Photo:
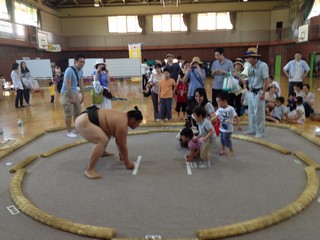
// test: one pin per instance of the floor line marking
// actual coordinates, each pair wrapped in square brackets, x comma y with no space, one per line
[136,166]
[189,172]
[209,164]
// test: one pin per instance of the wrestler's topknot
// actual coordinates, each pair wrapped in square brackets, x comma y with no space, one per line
[136,114]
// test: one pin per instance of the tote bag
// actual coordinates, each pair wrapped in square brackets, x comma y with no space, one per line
[97,93]
[227,83]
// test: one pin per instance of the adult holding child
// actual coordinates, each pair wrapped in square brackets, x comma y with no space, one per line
[99,125]
[258,74]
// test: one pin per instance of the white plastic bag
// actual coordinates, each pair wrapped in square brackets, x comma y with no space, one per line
[27,82]
[34,84]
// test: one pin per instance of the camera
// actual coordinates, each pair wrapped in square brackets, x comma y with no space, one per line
[103,69]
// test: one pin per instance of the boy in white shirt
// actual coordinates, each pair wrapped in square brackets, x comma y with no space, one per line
[278,111]
[226,115]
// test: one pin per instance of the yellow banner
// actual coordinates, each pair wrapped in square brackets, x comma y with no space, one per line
[135,52]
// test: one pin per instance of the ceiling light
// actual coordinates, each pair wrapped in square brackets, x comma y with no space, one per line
[245,0]
[96,3]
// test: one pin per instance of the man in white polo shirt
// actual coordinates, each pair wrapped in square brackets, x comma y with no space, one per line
[296,70]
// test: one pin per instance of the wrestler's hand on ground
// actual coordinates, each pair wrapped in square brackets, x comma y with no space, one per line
[129,165]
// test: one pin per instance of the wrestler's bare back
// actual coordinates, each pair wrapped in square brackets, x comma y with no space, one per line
[111,121]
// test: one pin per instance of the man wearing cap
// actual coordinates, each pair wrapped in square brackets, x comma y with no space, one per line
[196,76]
[173,67]
[258,74]
[69,92]
[296,70]
[219,69]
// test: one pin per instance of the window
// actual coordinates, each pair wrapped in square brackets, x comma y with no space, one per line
[25,15]
[214,21]
[6,27]
[168,23]
[20,31]
[3,10]
[123,24]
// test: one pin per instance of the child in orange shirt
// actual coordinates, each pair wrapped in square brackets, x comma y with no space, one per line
[166,89]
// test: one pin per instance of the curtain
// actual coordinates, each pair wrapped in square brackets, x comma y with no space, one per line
[142,23]
[39,18]
[301,15]
[307,8]
[186,20]
[10,8]
[233,19]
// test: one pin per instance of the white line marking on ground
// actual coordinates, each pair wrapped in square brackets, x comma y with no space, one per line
[209,164]
[297,161]
[136,166]
[13,210]
[189,172]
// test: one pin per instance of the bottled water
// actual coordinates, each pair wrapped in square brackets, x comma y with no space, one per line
[20,126]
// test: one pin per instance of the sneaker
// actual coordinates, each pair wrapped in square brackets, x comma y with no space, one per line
[71,135]
[249,133]
[158,120]
[258,135]
[166,119]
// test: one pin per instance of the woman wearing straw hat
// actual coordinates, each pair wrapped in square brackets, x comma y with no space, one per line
[235,99]
[101,77]
[258,74]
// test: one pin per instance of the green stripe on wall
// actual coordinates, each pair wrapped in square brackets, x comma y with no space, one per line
[277,68]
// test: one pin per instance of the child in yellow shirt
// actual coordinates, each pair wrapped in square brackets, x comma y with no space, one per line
[51,91]
[166,89]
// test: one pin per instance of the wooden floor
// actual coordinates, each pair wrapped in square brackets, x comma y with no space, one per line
[42,114]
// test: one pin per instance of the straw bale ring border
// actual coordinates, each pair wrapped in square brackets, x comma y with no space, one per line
[302,202]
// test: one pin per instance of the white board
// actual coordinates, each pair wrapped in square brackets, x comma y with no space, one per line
[88,67]
[39,68]
[124,67]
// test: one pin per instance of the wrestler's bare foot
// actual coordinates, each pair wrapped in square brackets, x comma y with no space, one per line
[107,154]
[92,174]
[130,165]
[231,153]
[221,153]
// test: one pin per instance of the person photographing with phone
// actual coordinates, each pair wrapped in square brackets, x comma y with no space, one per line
[195,76]
[101,77]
